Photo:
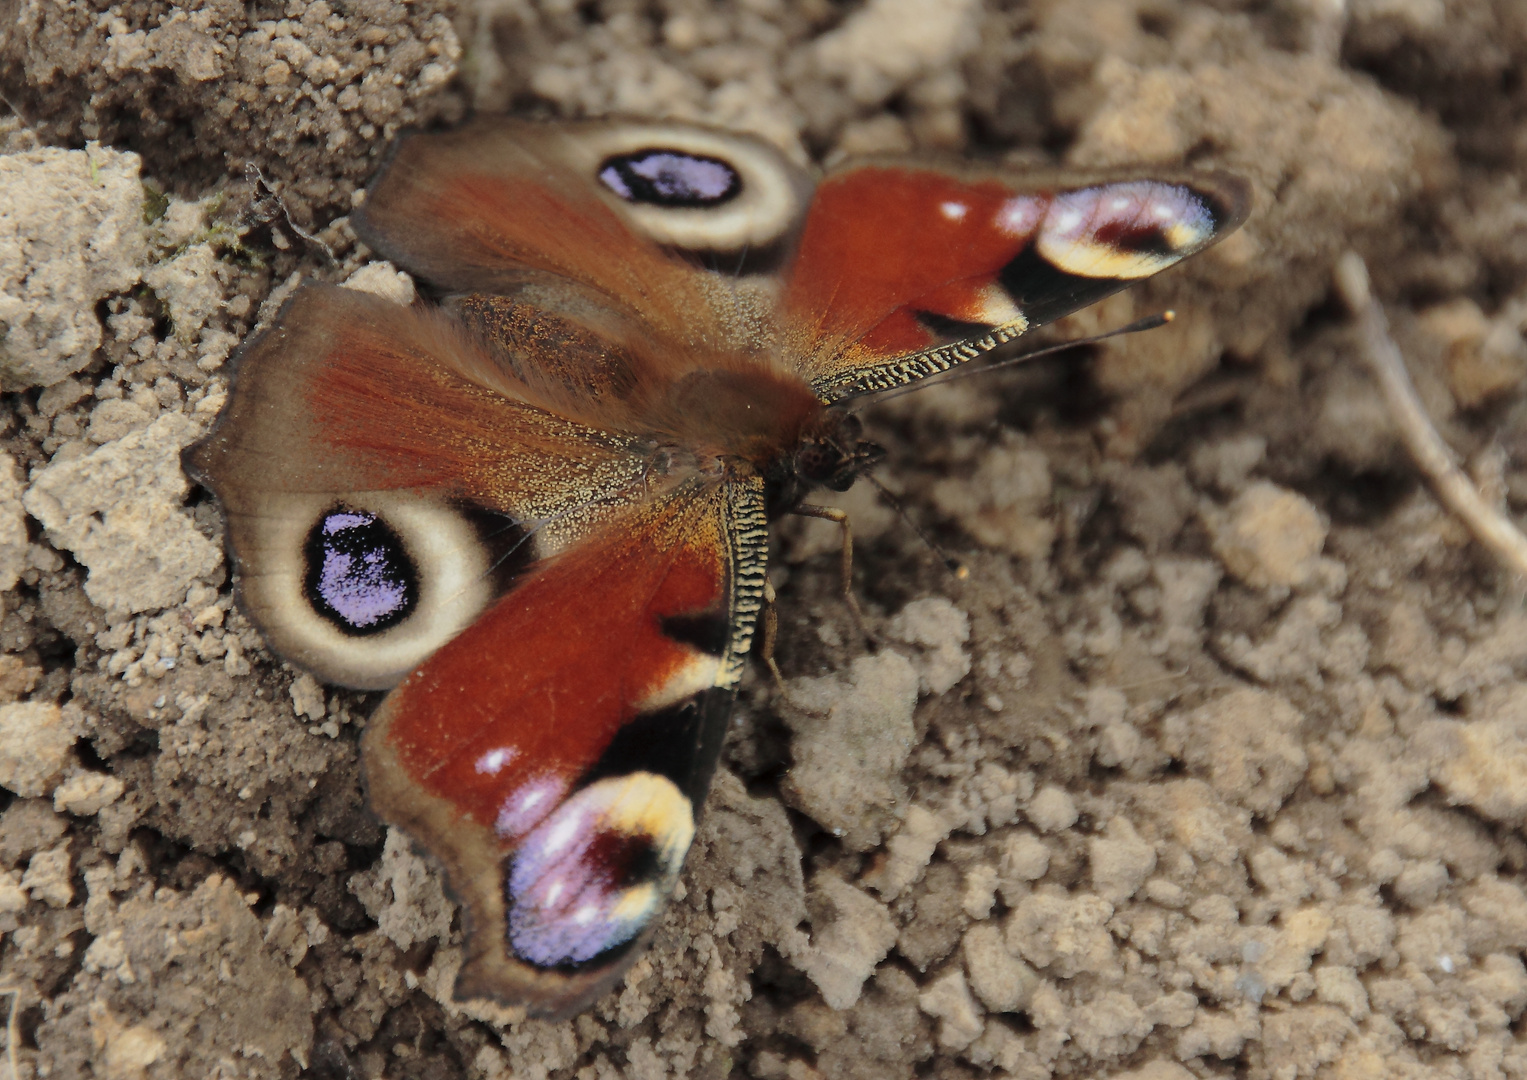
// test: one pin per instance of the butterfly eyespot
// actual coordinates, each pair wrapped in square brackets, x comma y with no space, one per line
[361,591]
[359,575]
[692,188]
[670,178]
[1125,230]
[591,875]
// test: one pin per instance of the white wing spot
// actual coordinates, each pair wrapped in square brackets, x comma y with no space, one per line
[1018,216]
[562,834]
[1068,220]
[494,760]
[954,211]
[1120,204]
[586,914]
[518,814]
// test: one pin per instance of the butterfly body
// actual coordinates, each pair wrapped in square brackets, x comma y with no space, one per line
[536,508]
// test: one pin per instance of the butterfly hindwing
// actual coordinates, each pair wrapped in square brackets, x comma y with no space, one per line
[614,215]
[556,758]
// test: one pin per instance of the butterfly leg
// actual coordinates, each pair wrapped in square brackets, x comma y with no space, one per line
[770,617]
[840,518]
[771,636]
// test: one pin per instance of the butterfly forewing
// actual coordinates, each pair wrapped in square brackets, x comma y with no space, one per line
[903,271]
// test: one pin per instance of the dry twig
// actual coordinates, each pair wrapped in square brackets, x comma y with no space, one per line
[1433,456]
[12,1029]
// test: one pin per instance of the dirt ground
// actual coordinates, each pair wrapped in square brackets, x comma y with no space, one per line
[1214,766]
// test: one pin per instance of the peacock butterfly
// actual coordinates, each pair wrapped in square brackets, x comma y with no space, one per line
[536,507]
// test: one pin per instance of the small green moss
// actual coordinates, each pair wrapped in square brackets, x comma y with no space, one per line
[230,246]
[155,203]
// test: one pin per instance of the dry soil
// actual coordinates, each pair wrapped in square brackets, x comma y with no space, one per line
[1214,766]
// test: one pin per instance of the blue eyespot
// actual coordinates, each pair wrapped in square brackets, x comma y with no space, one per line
[359,574]
[670,178]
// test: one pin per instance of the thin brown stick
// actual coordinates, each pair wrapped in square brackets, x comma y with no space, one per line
[12,1028]
[1432,456]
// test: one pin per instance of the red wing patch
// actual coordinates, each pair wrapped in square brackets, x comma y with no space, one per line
[882,244]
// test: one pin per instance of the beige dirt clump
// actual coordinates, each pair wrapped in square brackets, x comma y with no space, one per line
[178,982]
[851,738]
[71,234]
[308,94]
[118,510]
[1269,537]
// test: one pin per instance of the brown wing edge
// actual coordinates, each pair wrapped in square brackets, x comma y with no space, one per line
[473,860]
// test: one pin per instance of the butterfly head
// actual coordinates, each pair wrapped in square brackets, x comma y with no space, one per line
[831,454]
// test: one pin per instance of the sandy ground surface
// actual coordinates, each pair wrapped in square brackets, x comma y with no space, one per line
[1215,766]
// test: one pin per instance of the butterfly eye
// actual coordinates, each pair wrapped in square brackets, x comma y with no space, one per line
[670,178]
[362,591]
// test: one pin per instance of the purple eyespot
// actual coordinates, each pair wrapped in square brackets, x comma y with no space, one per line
[595,868]
[359,575]
[670,178]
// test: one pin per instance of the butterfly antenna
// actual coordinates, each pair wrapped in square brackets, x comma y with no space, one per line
[953,565]
[1150,322]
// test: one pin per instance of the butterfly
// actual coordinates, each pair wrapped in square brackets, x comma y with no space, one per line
[535,506]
